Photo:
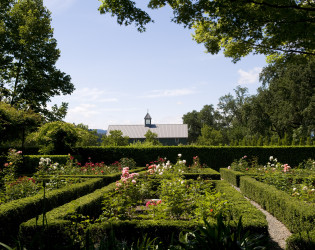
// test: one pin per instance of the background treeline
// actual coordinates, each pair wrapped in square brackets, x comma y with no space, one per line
[281,113]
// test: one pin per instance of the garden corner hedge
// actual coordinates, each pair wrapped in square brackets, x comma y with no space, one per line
[58,227]
[231,176]
[15,212]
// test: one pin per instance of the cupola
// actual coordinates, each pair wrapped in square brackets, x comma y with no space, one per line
[147,120]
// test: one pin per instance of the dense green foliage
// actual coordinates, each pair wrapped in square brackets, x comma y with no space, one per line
[236,27]
[28,52]
[115,138]
[15,123]
[281,113]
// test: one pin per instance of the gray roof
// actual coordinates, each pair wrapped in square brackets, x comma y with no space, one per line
[162,130]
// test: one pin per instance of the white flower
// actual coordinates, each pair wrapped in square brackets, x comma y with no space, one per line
[276,160]
[305,188]
[180,162]
[270,158]
[184,161]
[313,190]
[294,189]
[179,155]
[229,167]
[160,173]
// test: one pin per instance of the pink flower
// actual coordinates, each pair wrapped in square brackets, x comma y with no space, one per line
[19,152]
[134,181]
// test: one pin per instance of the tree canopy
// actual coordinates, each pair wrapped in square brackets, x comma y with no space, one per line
[236,27]
[28,54]
[115,138]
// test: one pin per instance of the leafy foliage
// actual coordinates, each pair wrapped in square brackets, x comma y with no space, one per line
[237,27]
[115,138]
[28,54]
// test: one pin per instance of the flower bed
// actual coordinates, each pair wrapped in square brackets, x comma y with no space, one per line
[299,182]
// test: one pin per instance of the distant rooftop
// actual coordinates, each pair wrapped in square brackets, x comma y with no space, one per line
[162,130]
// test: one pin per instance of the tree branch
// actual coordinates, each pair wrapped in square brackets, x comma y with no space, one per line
[282,6]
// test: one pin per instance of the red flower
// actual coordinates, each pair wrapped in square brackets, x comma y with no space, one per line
[211,210]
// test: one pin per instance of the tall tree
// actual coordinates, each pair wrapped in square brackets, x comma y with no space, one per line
[238,27]
[288,94]
[28,54]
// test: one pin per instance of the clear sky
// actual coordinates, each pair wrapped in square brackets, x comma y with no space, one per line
[120,73]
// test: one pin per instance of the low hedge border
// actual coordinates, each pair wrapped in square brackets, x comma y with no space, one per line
[58,225]
[15,212]
[295,214]
[252,218]
[303,240]
[56,229]
[207,173]
[231,176]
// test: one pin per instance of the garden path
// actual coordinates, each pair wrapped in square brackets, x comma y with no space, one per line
[277,230]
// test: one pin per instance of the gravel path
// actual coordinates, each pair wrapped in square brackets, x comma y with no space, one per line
[277,230]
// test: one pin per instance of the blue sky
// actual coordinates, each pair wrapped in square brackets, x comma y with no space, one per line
[120,73]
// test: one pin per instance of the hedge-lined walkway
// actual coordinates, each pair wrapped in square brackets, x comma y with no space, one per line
[277,230]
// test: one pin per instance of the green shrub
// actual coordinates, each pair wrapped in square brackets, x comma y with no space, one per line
[300,241]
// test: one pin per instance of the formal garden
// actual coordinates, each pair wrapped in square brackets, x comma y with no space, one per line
[173,201]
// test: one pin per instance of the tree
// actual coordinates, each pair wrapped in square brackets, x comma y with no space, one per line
[87,137]
[210,136]
[195,120]
[151,138]
[115,138]
[194,125]
[28,54]
[16,124]
[288,95]
[56,138]
[237,27]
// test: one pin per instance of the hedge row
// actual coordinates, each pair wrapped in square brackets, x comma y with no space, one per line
[214,157]
[295,214]
[231,176]
[208,173]
[58,227]
[15,212]
[57,223]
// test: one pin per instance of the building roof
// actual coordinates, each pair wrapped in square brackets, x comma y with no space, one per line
[162,130]
[147,116]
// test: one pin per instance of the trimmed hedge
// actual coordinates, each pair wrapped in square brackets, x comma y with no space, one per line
[231,176]
[214,157]
[295,214]
[15,212]
[56,230]
[206,174]
[58,225]
[303,240]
